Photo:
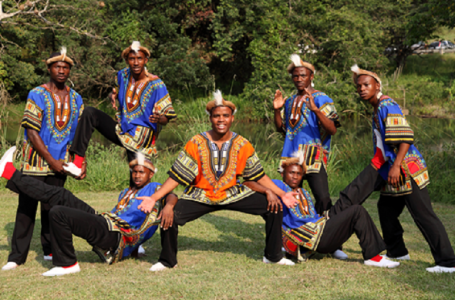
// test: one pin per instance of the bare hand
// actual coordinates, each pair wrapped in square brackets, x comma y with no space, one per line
[167,217]
[289,199]
[394,176]
[57,166]
[155,118]
[274,203]
[147,203]
[309,101]
[83,172]
[278,101]
[113,97]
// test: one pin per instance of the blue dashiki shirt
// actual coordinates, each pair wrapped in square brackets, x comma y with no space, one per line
[302,226]
[135,226]
[134,129]
[55,120]
[303,133]
[394,129]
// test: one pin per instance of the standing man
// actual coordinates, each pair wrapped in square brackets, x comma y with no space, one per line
[308,123]
[399,171]
[144,107]
[50,119]
[210,166]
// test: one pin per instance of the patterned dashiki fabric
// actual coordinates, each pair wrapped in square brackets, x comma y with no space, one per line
[303,132]
[394,129]
[211,174]
[137,103]
[55,120]
[135,226]
[302,226]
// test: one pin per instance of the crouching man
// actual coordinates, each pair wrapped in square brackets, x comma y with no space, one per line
[114,235]
[304,230]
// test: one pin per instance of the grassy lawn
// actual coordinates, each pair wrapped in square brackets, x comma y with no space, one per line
[220,258]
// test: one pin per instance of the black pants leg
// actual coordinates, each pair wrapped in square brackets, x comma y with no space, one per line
[389,209]
[25,221]
[419,206]
[340,227]
[184,211]
[66,221]
[319,186]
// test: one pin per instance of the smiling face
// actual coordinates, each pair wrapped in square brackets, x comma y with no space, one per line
[293,175]
[137,62]
[221,118]
[302,78]
[59,71]
[141,176]
[368,88]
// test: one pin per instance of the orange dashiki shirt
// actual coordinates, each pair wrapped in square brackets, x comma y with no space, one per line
[212,174]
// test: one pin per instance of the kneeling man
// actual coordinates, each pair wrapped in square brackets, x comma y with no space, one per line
[210,167]
[114,235]
[304,230]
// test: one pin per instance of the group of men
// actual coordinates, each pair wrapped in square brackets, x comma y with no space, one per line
[59,128]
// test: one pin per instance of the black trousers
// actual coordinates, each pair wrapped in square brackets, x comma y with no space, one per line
[186,211]
[92,119]
[68,215]
[25,222]
[319,186]
[419,206]
[390,208]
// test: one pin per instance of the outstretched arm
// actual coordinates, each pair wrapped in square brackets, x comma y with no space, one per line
[287,198]
[272,199]
[148,202]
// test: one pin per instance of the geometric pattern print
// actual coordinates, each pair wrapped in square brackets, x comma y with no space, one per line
[164,107]
[253,169]
[58,134]
[33,116]
[397,130]
[292,131]
[294,249]
[328,110]
[307,202]
[153,83]
[314,156]
[33,164]
[185,169]
[307,235]
[143,140]
[206,156]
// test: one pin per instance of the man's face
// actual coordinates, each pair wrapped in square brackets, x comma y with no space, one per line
[367,87]
[221,119]
[141,176]
[59,71]
[302,78]
[137,62]
[293,176]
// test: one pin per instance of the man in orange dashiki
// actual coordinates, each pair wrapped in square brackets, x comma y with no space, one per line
[210,167]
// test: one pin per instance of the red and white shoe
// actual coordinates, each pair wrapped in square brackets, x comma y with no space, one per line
[72,169]
[48,257]
[158,267]
[381,262]
[59,271]
[284,262]
[404,257]
[6,158]
[441,269]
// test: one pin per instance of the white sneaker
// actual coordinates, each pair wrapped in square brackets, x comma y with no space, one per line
[404,257]
[58,271]
[338,254]
[6,158]
[158,267]
[383,263]
[441,269]
[141,250]
[48,257]
[283,261]
[72,169]
[9,266]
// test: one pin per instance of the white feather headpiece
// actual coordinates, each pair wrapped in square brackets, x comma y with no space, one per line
[298,157]
[135,46]
[218,98]
[219,101]
[356,72]
[61,57]
[296,60]
[141,160]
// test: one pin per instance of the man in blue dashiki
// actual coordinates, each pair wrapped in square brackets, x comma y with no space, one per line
[114,235]
[308,123]
[50,118]
[305,231]
[144,107]
[399,171]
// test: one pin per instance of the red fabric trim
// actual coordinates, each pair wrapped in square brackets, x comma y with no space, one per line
[377,258]
[9,170]
[78,160]
[69,266]
[378,159]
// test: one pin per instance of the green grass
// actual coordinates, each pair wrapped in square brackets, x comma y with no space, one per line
[220,258]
